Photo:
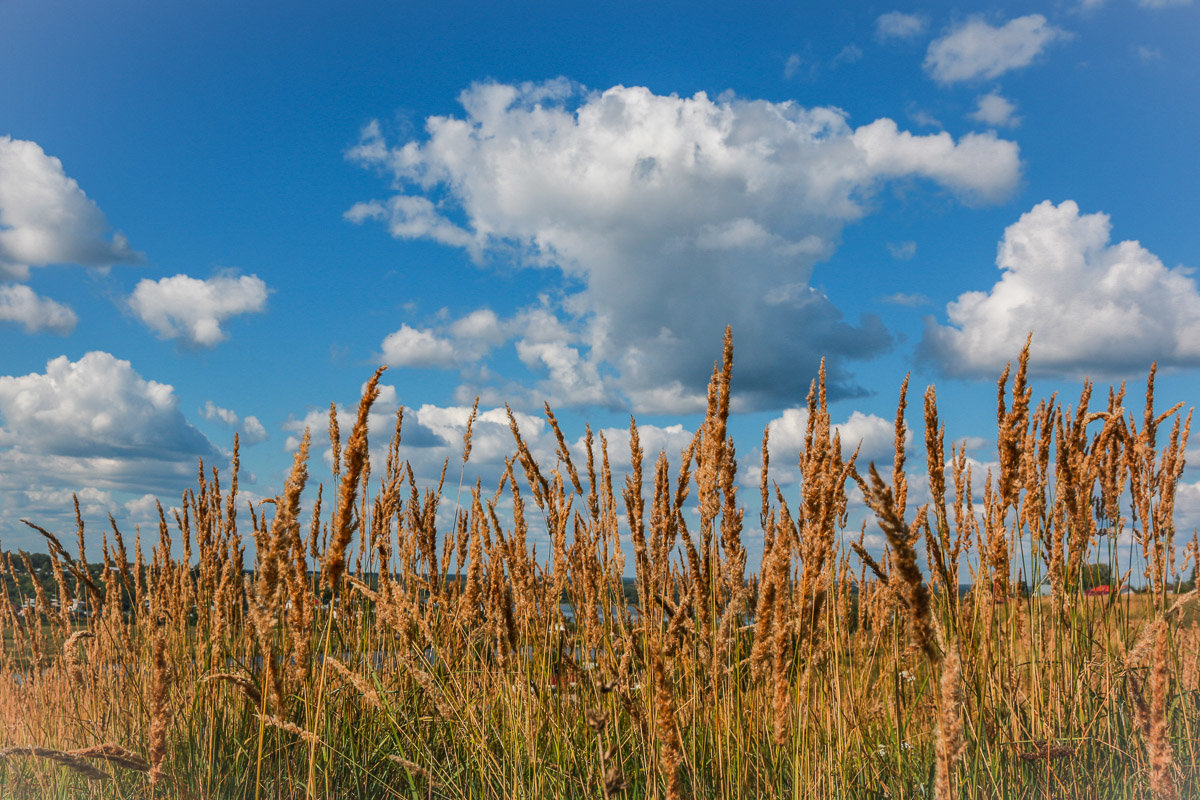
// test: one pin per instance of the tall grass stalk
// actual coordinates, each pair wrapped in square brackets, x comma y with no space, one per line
[378,656]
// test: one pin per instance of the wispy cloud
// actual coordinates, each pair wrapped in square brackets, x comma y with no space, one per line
[976,49]
[251,431]
[898,25]
[907,299]
[847,55]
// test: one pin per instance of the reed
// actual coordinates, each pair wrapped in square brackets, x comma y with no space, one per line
[372,650]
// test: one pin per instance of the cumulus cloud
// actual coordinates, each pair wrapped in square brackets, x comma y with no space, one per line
[96,406]
[250,430]
[902,251]
[212,411]
[666,218]
[653,439]
[253,430]
[976,49]
[552,351]
[413,347]
[995,110]
[21,305]
[898,25]
[575,378]
[1094,307]
[94,426]
[144,508]
[45,218]
[482,327]
[457,343]
[1187,507]
[979,167]
[872,435]
[193,310]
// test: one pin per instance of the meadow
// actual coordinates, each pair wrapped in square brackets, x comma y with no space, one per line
[354,649]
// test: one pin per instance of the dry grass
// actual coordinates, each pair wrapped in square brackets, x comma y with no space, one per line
[350,659]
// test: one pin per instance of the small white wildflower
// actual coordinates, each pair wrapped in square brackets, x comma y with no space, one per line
[907,676]
[905,746]
[881,751]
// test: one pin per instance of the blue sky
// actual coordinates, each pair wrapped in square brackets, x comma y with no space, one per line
[223,216]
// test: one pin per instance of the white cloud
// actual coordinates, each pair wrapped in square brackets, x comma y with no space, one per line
[898,25]
[668,218]
[45,218]
[253,431]
[144,508]
[976,49]
[414,347]
[193,310]
[1148,54]
[1092,306]
[491,438]
[96,406]
[94,426]
[995,110]
[212,411]
[1187,509]
[902,251]
[979,167]
[431,434]
[652,439]
[482,326]
[250,429]
[1163,3]
[459,343]
[873,434]
[576,379]
[410,217]
[19,304]
[565,373]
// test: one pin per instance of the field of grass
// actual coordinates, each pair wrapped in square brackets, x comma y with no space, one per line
[354,650]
